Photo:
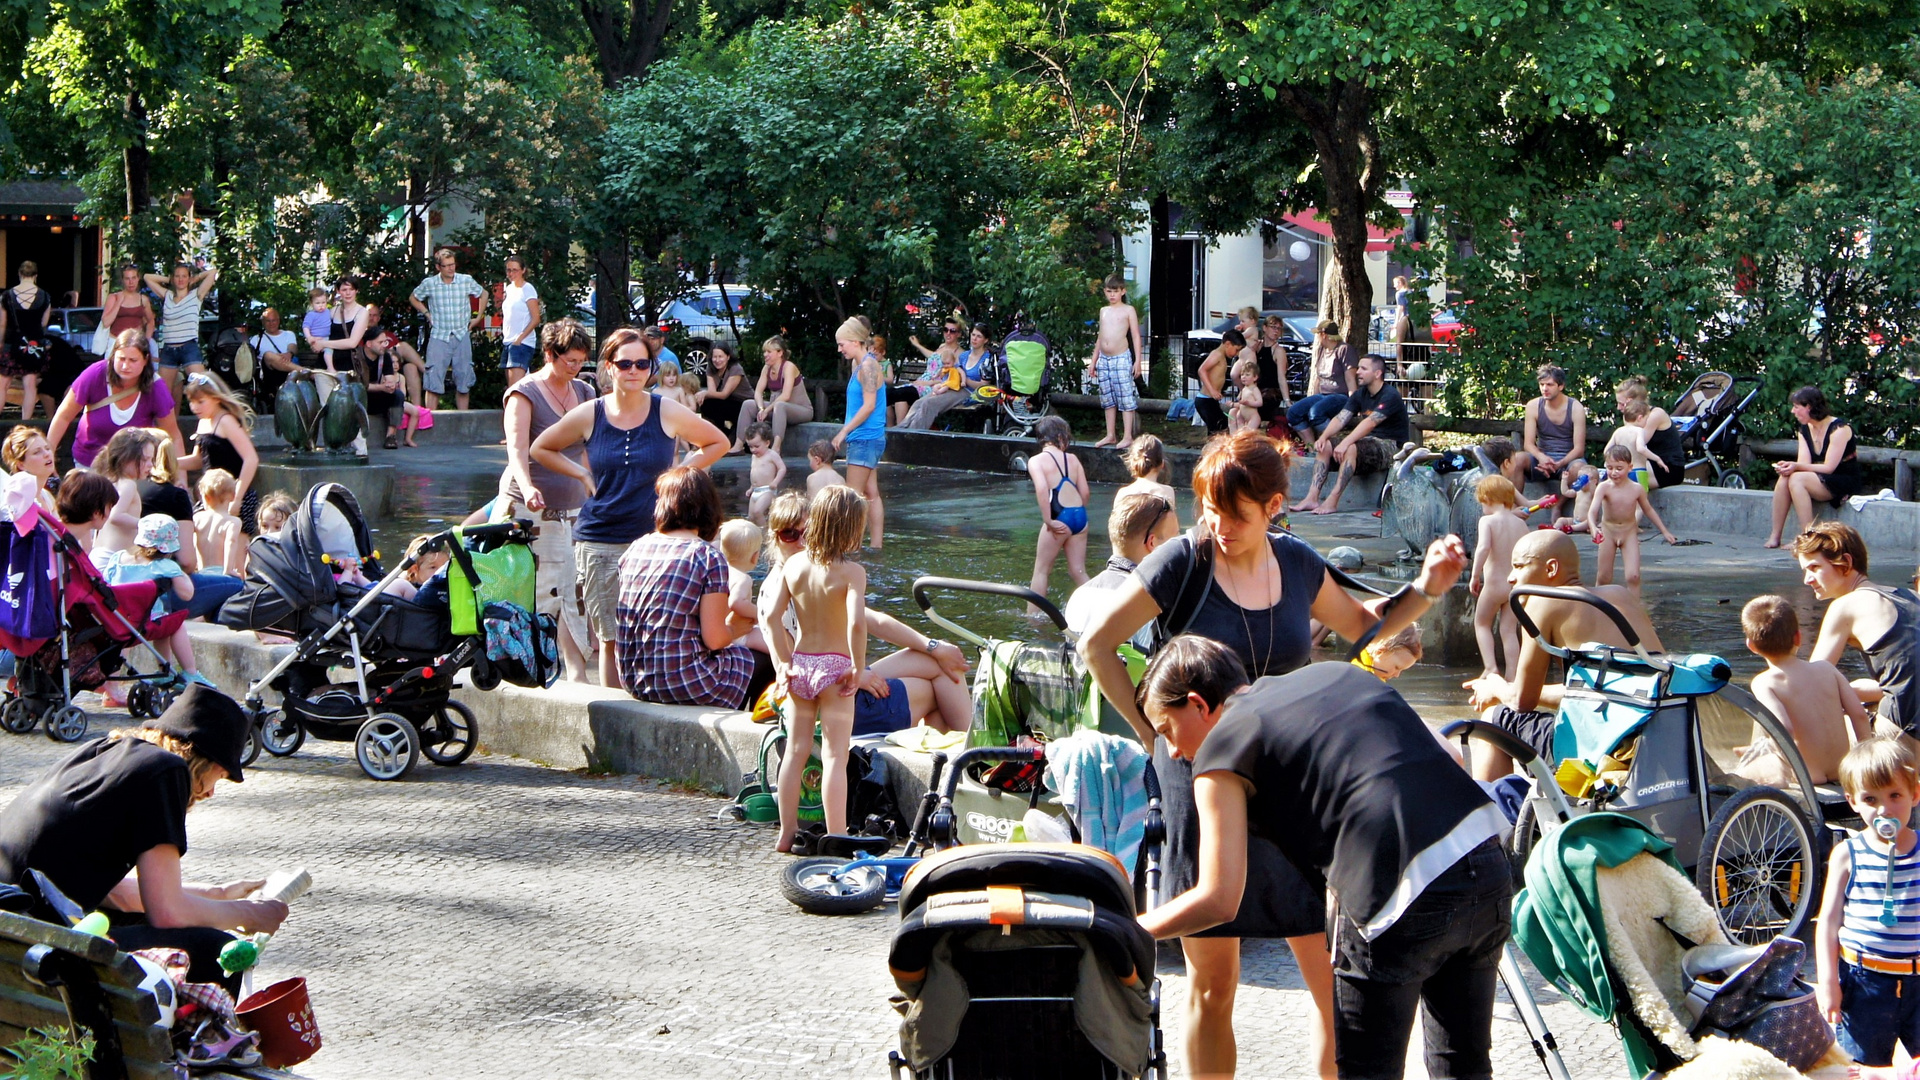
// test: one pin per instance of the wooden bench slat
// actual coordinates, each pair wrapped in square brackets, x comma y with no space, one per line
[20,928]
[140,1042]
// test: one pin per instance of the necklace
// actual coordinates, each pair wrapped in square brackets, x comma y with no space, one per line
[1266,660]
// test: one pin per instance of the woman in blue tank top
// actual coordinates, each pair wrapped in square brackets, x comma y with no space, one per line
[864,435]
[629,436]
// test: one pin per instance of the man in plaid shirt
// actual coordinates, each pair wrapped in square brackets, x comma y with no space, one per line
[444,299]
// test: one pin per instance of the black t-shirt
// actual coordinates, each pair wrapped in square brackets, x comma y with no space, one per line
[1347,780]
[90,818]
[168,499]
[1388,406]
[1269,641]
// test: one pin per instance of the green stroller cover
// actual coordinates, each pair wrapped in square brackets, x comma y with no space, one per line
[505,573]
[1026,364]
[1021,688]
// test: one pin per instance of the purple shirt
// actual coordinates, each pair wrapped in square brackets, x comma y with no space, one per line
[96,426]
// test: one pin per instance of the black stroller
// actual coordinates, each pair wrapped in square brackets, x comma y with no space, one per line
[401,656]
[1708,416]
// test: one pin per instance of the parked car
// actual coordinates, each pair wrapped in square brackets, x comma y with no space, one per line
[76,326]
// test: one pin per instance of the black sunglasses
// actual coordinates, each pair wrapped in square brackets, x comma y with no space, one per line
[629,365]
[789,536]
[1165,509]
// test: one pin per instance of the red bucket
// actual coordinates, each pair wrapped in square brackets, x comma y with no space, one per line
[284,1018]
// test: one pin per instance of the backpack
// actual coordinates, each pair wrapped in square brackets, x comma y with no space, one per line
[522,648]
[871,809]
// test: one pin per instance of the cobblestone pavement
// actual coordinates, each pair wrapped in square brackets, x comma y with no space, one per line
[505,920]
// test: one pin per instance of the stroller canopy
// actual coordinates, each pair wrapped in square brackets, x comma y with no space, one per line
[1026,357]
[289,573]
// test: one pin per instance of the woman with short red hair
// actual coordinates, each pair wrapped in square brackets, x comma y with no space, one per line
[1255,591]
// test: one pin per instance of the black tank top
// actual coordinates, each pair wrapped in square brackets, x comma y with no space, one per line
[1896,656]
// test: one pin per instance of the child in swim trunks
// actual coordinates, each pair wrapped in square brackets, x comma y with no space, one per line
[1060,486]
[766,472]
[825,666]
[1115,362]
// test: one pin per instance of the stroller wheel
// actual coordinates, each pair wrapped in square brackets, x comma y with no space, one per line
[281,735]
[140,702]
[1760,866]
[251,753]
[387,746]
[457,733]
[1733,481]
[68,723]
[17,716]
[813,886]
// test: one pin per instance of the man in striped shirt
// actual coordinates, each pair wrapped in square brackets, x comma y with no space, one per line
[180,321]
[446,300]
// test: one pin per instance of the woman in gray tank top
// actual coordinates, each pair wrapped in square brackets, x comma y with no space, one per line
[532,405]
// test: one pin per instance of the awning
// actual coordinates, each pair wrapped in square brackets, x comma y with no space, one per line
[40,199]
[1378,239]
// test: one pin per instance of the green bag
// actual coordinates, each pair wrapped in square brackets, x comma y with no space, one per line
[506,573]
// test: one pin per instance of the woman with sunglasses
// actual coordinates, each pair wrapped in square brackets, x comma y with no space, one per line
[534,404]
[629,436]
[901,397]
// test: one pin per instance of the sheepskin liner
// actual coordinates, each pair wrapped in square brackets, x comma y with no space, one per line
[1641,900]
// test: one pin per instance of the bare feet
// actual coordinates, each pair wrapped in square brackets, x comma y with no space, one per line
[1108,441]
[1123,445]
[784,846]
[1303,505]
[1326,508]
[410,441]
[1772,542]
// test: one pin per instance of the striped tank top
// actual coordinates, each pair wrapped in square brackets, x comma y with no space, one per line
[180,319]
[1867,888]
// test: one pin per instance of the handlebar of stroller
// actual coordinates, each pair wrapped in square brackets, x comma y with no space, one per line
[1579,596]
[966,759]
[1519,751]
[923,586]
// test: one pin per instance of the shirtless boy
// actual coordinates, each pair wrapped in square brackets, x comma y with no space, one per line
[1882,621]
[1213,381]
[1811,697]
[1118,359]
[820,455]
[1524,706]
[1613,517]
[1501,527]
[765,474]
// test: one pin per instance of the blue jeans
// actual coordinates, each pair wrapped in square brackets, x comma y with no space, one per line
[1313,413]
[1875,1012]
[210,591]
[1443,952]
[518,356]
[185,354]
[865,452]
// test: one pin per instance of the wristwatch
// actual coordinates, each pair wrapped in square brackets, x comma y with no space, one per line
[933,643]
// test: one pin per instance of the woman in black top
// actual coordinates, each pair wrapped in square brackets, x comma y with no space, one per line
[1649,432]
[1255,593]
[719,401]
[1342,774]
[24,312]
[108,825]
[1826,469]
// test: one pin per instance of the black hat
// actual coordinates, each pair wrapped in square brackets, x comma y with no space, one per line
[209,721]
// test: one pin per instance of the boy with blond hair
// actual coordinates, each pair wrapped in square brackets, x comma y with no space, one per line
[1869,941]
[1811,697]
[1501,527]
[740,541]
[217,535]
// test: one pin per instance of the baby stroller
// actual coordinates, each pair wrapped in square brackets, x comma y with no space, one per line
[1025,960]
[1708,416]
[1664,740]
[1025,382]
[401,655]
[95,625]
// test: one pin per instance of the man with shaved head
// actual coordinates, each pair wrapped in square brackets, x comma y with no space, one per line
[1525,707]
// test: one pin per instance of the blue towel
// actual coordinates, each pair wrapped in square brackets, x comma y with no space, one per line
[1102,781]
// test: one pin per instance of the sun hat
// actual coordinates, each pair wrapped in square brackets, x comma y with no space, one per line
[210,722]
[159,532]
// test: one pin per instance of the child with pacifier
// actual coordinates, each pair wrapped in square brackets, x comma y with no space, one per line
[1868,953]
[823,668]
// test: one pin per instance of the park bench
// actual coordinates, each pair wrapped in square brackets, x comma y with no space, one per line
[54,979]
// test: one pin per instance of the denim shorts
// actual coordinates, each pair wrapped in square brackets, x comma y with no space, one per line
[1876,1012]
[517,356]
[865,452]
[185,354]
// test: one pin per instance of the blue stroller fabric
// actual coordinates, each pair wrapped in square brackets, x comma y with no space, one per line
[1593,724]
[519,646]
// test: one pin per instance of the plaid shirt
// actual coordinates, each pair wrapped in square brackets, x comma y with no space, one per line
[447,303]
[661,654]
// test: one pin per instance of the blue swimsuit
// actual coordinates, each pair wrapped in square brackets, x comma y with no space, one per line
[1073,517]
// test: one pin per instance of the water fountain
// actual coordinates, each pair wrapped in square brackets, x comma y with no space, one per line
[320,430]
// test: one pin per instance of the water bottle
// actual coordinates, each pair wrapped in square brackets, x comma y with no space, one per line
[1580,481]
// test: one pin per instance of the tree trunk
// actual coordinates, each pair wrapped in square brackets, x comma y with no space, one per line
[1346,149]
[1159,277]
[627,35]
[610,272]
[416,217]
[136,158]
